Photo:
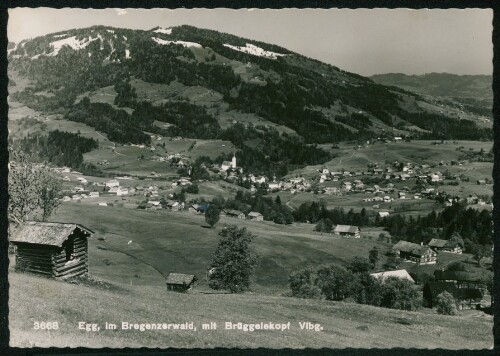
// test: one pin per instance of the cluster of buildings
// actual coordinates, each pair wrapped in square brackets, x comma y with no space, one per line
[426,254]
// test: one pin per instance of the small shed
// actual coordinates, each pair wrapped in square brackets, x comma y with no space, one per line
[58,250]
[179,282]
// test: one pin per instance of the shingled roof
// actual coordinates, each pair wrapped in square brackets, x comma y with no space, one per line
[410,247]
[345,228]
[437,243]
[46,233]
[180,278]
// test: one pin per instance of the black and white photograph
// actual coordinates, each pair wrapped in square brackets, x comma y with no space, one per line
[250,178]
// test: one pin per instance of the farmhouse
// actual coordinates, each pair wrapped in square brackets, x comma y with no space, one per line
[423,255]
[347,231]
[59,250]
[202,208]
[193,208]
[234,214]
[179,282]
[383,214]
[112,183]
[255,216]
[401,274]
[445,245]
[466,298]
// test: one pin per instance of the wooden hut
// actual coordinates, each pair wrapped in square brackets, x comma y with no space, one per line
[59,250]
[179,282]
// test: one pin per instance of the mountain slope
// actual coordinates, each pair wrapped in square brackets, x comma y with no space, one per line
[191,79]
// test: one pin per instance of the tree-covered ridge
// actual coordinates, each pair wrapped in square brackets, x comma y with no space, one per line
[58,147]
[294,94]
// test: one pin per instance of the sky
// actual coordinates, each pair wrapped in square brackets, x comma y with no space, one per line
[363,41]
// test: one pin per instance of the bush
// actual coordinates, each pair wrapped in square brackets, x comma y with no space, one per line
[400,294]
[446,304]
[302,284]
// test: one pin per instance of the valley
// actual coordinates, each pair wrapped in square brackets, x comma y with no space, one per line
[145,130]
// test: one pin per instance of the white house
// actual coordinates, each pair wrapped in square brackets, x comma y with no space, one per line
[255,216]
[383,214]
[112,183]
[122,191]
[94,195]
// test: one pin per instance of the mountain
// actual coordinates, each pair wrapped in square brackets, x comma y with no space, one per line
[268,101]
[441,84]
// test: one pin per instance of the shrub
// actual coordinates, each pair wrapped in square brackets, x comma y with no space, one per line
[446,304]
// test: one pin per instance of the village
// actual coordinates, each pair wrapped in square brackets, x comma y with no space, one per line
[156,194]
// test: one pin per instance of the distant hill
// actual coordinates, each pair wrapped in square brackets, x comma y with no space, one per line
[441,84]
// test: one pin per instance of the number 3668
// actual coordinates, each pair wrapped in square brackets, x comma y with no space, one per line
[46,325]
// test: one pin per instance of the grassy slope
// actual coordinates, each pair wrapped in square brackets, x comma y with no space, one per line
[179,242]
[344,325]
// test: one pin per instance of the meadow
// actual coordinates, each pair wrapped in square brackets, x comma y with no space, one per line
[344,324]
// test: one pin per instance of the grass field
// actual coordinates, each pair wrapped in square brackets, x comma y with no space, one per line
[181,242]
[344,324]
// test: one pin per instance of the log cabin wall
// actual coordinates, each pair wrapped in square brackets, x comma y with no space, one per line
[34,258]
[72,259]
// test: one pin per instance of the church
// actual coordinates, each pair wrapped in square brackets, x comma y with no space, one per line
[226,164]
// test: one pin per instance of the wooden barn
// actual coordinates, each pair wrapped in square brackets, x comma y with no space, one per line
[58,250]
[179,282]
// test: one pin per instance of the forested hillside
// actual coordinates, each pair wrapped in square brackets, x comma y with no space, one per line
[319,102]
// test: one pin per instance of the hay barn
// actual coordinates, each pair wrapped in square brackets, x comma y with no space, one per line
[179,282]
[58,250]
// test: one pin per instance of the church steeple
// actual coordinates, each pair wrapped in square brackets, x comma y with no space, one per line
[233,161]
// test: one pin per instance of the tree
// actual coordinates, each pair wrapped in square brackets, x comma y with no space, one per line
[278,200]
[34,191]
[212,215]
[233,264]
[359,265]
[457,266]
[302,284]
[374,257]
[446,304]
[401,294]
[324,225]
[336,282]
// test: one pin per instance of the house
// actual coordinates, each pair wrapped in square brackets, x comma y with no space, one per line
[66,198]
[153,205]
[58,250]
[112,183]
[202,208]
[122,191]
[179,282]
[383,214]
[114,189]
[347,231]
[439,245]
[102,204]
[400,273]
[82,180]
[466,298]
[235,214]
[174,205]
[193,208]
[255,216]
[94,195]
[423,255]
[481,182]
